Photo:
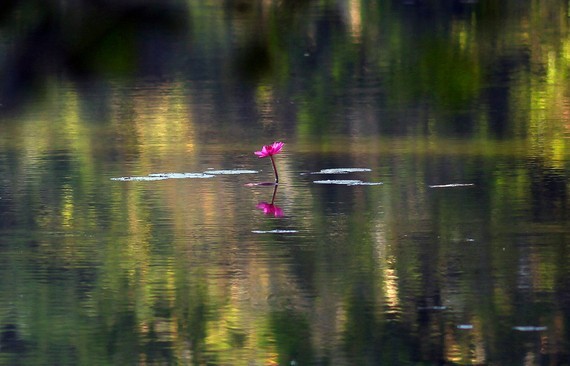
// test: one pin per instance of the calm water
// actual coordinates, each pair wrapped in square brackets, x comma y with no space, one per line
[453,248]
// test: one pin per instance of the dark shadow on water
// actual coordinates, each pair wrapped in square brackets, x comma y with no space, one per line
[81,40]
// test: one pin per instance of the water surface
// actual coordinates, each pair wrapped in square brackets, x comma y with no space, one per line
[131,232]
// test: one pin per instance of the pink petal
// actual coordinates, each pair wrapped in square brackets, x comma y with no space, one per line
[270,150]
[262,205]
[278,211]
[269,209]
[263,153]
[277,146]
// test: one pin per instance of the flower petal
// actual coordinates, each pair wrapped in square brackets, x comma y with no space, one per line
[270,209]
[277,146]
[277,211]
[270,150]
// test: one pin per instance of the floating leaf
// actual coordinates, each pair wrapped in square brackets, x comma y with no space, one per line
[452,185]
[261,184]
[347,182]
[181,175]
[138,179]
[231,172]
[465,326]
[342,170]
[530,328]
[435,307]
[276,231]
[163,176]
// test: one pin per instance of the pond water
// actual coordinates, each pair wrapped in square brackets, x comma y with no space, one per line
[422,212]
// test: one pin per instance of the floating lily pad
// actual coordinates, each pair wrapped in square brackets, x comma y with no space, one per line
[452,185]
[163,176]
[138,179]
[465,326]
[181,175]
[530,328]
[435,307]
[347,182]
[276,231]
[342,170]
[261,184]
[231,172]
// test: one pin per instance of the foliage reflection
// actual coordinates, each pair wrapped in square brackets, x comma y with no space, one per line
[96,271]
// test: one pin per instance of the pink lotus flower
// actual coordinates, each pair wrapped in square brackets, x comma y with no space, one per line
[270,209]
[270,150]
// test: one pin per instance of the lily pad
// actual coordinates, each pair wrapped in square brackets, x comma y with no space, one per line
[347,182]
[138,179]
[231,172]
[261,184]
[163,176]
[526,328]
[435,307]
[181,175]
[452,185]
[276,231]
[465,326]
[342,170]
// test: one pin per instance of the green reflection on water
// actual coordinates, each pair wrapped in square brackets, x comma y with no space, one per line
[95,271]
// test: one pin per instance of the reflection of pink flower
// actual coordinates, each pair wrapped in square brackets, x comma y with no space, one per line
[270,209]
[270,150]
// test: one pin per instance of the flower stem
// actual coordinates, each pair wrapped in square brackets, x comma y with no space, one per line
[274,170]
[274,194]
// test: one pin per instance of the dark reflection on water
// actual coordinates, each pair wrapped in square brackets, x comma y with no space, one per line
[171,270]
[459,257]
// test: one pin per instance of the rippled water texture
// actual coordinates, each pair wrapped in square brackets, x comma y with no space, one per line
[422,210]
